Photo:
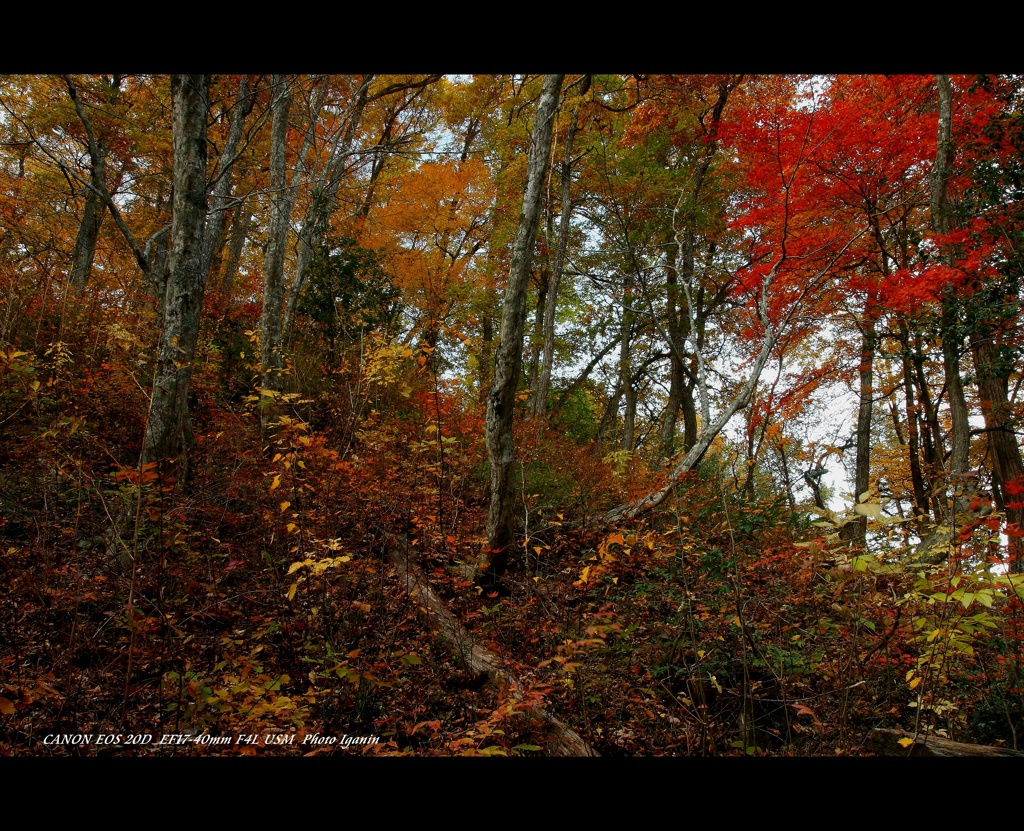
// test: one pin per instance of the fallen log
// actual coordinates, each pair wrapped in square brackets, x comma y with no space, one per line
[561,740]
[886,742]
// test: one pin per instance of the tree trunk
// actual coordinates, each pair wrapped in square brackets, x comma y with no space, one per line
[942,222]
[886,742]
[667,445]
[271,360]
[862,476]
[509,356]
[213,236]
[557,266]
[931,435]
[236,244]
[85,242]
[321,206]
[625,367]
[677,338]
[168,432]
[1007,465]
[690,424]
[537,340]
[92,214]
[914,427]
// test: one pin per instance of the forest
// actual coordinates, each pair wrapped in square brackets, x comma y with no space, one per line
[511,415]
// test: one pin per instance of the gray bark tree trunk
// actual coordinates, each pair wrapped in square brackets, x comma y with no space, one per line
[236,244]
[509,355]
[557,267]
[625,368]
[537,341]
[168,432]
[321,206]
[914,427]
[271,359]
[862,473]
[942,222]
[85,241]
[213,236]
[92,214]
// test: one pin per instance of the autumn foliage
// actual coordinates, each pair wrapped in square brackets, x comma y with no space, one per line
[760,246]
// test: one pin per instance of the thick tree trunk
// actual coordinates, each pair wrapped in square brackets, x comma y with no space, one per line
[501,400]
[168,432]
[85,242]
[1007,464]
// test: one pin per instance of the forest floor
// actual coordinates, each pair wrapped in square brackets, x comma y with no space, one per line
[254,611]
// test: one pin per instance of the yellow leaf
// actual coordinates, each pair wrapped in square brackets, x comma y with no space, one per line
[276,483]
[871,509]
[295,567]
[292,590]
[906,742]
[914,683]
[285,506]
